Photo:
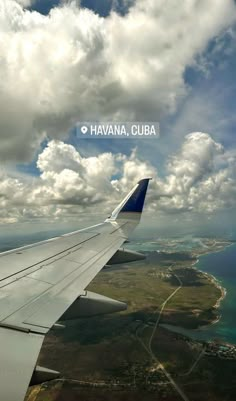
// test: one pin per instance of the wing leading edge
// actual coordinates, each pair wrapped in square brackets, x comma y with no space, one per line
[41,283]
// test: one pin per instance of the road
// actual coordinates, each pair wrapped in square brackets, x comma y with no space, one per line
[149,347]
[195,363]
[162,308]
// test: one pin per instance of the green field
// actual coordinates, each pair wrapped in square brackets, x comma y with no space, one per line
[111,349]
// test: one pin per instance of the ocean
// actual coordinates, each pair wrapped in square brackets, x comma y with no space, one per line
[221,265]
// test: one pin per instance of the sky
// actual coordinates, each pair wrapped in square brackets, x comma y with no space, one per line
[63,62]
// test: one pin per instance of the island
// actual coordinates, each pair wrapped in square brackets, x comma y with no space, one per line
[134,355]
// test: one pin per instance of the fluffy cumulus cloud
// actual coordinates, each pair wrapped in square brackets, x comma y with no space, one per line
[194,180]
[74,65]
[200,177]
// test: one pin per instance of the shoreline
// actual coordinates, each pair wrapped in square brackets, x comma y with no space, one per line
[223,292]
[213,280]
[210,277]
[197,334]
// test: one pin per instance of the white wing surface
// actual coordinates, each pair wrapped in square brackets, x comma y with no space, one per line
[46,281]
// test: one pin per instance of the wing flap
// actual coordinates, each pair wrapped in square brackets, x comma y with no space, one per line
[38,283]
[18,357]
[51,308]
[39,299]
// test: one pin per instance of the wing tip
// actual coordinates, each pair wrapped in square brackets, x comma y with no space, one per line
[134,201]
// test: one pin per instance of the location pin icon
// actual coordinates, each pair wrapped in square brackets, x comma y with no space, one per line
[84,129]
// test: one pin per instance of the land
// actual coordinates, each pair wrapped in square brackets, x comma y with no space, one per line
[130,355]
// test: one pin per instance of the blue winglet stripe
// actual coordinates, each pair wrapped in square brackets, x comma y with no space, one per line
[136,201]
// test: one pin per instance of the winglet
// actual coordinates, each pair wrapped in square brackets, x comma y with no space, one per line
[134,201]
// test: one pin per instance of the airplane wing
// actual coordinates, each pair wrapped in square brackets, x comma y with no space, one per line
[46,282]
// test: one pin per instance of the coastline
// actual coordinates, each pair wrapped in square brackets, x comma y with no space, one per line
[213,280]
[216,282]
[223,292]
[221,325]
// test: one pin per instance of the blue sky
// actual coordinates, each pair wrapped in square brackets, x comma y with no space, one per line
[216,86]
[103,8]
[168,63]
[218,80]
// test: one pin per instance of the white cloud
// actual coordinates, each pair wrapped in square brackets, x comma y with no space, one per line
[195,179]
[74,65]
[195,161]
[200,177]
[73,178]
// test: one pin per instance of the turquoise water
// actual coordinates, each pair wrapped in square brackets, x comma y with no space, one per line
[222,265]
